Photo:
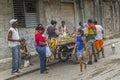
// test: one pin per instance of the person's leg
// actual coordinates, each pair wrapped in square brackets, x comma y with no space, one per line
[97,48]
[83,62]
[102,49]
[95,57]
[38,49]
[42,54]
[29,58]
[94,52]
[80,62]
[90,57]
[89,45]
[79,55]
[15,59]
[19,57]
[98,55]
[45,58]
[54,54]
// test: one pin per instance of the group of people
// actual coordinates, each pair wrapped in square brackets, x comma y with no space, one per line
[88,37]
[41,42]
[18,48]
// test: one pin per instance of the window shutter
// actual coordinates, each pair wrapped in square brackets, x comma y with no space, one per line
[19,12]
[26,13]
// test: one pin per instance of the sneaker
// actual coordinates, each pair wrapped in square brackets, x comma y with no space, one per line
[90,63]
[95,60]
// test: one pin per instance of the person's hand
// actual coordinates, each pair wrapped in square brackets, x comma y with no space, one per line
[19,40]
[27,52]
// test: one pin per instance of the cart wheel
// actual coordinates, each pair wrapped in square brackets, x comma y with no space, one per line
[63,56]
[74,58]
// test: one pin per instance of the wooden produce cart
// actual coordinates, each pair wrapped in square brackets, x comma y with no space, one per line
[65,48]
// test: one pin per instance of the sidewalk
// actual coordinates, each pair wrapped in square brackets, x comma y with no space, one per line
[6,75]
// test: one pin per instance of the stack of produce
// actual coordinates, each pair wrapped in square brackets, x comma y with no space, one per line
[53,43]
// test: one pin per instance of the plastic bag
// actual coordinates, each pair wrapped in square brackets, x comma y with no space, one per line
[48,52]
[26,63]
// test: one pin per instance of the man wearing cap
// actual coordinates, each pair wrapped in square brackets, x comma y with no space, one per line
[90,39]
[14,44]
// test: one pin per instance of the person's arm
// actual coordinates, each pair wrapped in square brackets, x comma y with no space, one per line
[84,41]
[42,43]
[95,31]
[102,30]
[67,30]
[10,37]
[57,32]
[86,32]
[74,50]
[59,28]
[26,48]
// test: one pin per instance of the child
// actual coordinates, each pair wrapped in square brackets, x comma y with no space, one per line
[24,53]
[80,44]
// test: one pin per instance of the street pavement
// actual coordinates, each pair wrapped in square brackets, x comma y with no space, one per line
[69,71]
[107,68]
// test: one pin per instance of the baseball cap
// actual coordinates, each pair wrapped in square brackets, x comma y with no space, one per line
[13,21]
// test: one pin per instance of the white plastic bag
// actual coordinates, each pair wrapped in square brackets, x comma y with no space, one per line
[26,63]
[48,52]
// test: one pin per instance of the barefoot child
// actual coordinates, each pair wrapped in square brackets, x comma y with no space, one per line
[80,45]
[24,53]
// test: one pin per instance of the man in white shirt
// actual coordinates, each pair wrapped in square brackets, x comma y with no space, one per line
[63,29]
[99,39]
[14,44]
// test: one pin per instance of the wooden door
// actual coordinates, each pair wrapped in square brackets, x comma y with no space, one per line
[68,15]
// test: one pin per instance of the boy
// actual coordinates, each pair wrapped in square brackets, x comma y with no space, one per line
[24,52]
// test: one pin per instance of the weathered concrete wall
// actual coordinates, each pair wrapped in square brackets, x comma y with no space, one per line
[28,34]
[61,10]
[6,13]
[106,12]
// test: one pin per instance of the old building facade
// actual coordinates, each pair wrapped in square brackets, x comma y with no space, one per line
[32,12]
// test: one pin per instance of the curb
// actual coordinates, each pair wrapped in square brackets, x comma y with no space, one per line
[27,72]
[111,43]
